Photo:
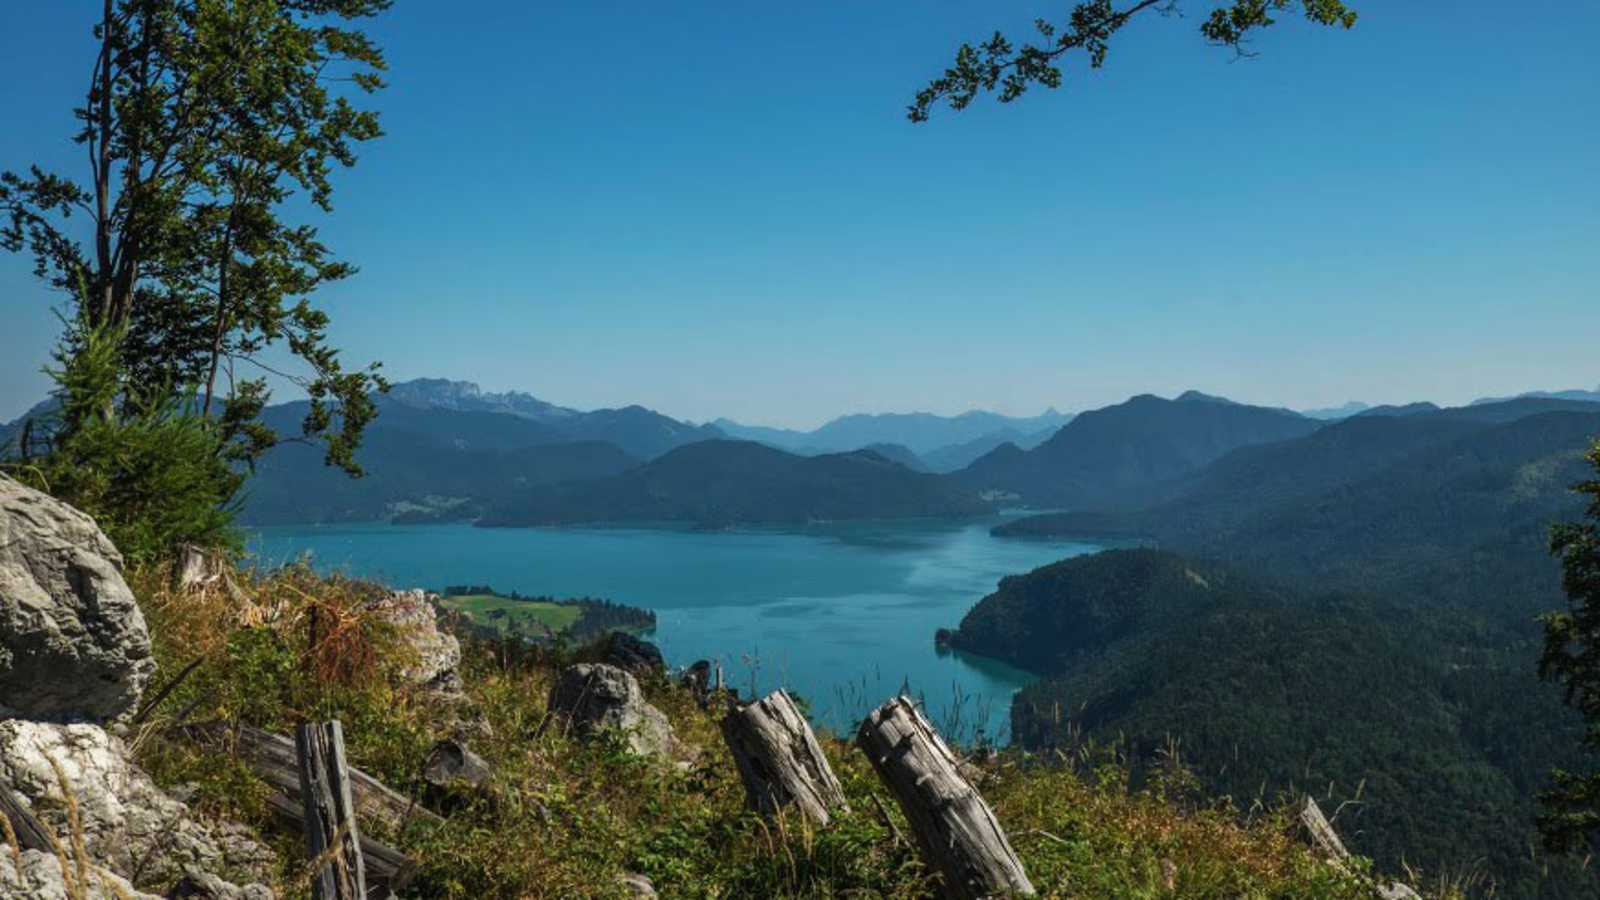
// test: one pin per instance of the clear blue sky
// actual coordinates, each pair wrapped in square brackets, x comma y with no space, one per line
[718,208]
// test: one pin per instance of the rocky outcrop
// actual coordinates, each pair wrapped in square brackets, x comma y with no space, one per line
[593,699]
[129,825]
[73,644]
[435,653]
[41,878]
[201,886]
[634,655]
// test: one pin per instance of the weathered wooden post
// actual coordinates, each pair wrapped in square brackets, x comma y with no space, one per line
[1327,842]
[956,832]
[333,839]
[1321,832]
[779,759]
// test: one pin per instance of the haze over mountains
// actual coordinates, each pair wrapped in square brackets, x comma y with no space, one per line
[444,449]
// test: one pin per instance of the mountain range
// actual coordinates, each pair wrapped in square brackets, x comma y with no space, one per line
[943,443]
[1113,456]
[1353,608]
[719,483]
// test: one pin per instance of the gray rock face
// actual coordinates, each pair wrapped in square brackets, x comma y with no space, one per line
[40,878]
[73,644]
[640,657]
[130,826]
[437,653]
[596,698]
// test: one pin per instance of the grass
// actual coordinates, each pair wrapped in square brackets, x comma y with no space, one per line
[563,818]
[557,617]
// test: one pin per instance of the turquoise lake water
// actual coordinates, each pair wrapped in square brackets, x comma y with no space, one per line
[842,614]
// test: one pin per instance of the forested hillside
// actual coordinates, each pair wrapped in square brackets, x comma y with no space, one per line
[721,483]
[1366,618]
[1437,737]
[1117,455]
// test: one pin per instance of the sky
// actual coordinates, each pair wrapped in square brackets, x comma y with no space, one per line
[719,208]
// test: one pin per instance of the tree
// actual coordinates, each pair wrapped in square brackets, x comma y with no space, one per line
[1571,816]
[202,118]
[996,65]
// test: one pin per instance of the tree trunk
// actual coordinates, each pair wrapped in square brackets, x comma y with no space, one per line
[780,760]
[333,839]
[956,832]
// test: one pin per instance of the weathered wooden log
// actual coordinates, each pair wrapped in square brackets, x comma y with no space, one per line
[1320,832]
[272,758]
[780,761]
[1326,841]
[30,832]
[451,764]
[955,831]
[333,837]
[388,870]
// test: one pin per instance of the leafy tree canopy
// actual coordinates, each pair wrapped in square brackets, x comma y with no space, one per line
[202,118]
[999,66]
[1571,818]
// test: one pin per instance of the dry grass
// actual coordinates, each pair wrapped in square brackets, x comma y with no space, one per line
[563,818]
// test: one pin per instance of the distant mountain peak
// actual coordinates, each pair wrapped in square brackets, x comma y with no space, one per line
[1349,409]
[1192,396]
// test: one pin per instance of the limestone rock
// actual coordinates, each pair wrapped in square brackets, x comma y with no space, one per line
[130,826]
[437,653]
[634,655]
[73,644]
[451,764]
[596,698]
[637,886]
[41,879]
[203,886]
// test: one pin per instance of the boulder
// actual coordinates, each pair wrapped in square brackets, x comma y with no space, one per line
[451,765]
[598,698]
[130,826]
[73,644]
[436,653]
[634,655]
[40,878]
[697,680]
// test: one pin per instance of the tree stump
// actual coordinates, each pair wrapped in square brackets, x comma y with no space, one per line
[954,829]
[780,761]
[333,839]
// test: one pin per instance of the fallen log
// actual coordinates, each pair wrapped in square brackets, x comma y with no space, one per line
[780,761]
[954,829]
[272,758]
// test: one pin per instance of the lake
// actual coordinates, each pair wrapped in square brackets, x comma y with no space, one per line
[842,614]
